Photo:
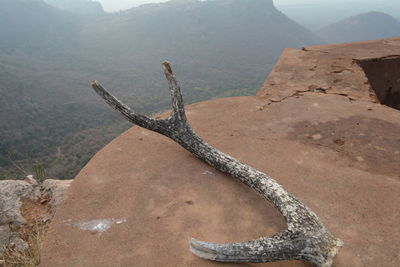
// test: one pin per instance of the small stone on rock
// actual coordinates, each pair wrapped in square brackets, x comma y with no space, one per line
[316,136]
[29,179]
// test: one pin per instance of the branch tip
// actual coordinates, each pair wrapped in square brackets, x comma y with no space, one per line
[202,249]
[167,68]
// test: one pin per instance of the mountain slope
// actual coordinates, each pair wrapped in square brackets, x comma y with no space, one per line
[218,48]
[367,26]
[85,7]
[44,111]
[33,28]
[315,14]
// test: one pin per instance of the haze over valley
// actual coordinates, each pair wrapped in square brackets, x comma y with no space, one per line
[50,50]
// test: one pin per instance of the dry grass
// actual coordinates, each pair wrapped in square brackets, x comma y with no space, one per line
[31,257]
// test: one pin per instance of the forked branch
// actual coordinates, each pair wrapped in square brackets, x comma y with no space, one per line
[306,238]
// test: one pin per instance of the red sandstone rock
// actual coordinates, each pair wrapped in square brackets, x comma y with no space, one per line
[166,195]
[140,198]
[330,69]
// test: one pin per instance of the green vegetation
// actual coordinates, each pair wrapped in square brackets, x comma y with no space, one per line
[48,57]
[40,172]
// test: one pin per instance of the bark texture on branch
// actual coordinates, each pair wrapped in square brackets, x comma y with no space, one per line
[306,238]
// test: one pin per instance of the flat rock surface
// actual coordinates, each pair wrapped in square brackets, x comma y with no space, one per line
[140,198]
[330,69]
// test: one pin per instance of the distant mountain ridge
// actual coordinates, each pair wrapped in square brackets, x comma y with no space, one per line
[49,113]
[316,14]
[36,29]
[366,26]
[85,7]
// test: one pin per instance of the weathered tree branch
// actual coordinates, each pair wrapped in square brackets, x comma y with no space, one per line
[305,239]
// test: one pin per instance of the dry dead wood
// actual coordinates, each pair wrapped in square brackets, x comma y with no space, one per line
[306,238]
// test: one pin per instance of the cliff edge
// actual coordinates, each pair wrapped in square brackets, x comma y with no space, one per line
[318,126]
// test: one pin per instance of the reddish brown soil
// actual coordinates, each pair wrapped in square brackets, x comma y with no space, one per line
[34,211]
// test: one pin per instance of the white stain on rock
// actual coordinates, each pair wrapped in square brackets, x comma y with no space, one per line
[97,226]
[120,221]
[209,173]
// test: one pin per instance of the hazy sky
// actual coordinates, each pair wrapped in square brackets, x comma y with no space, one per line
[115,5]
